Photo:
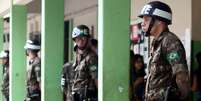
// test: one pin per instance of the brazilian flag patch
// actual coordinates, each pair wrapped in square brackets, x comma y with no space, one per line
[93,68]
[173,56]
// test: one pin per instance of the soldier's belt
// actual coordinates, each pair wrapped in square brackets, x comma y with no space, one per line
[84,97]
[81,89]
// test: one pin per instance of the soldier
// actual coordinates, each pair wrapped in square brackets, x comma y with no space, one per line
[67,76]
[4,56]
[85,81]
[168,78]
[67,80]
[33,71]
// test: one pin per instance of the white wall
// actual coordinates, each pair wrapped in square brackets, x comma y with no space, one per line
[21,1]
[76,7]
[4,7]
[196,20]
[89,19]
[34,24]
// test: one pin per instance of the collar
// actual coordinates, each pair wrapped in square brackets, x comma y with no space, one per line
[158,39]
[32,60]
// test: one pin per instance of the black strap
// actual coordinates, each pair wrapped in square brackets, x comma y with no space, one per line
[150,26]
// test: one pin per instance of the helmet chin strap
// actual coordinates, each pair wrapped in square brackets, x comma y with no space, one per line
[150,27]
[81,48]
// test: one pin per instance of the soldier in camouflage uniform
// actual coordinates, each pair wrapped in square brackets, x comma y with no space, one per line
[85,66]
[67,80]
[168,78]
[67,76]
[4,56]
[33,71]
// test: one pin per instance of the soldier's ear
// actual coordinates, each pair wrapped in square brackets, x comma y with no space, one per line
[158,22]
[162,23]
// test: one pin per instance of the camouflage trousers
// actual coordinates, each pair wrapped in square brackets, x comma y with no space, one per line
[167,94]
[5,94]
[33,94]
[6,98]
[88,95]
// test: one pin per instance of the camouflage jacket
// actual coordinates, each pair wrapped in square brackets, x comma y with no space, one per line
[167,59]
[86,70]
[67,76]
[34,74]
[5,85]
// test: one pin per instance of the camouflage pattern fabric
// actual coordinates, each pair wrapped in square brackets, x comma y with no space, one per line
[86,72]
[5,84]
[167,59]
[34,79]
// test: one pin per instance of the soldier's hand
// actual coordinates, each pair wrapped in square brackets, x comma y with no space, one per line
[27,99]
[63,81]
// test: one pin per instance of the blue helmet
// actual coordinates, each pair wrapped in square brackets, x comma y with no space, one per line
[81,30]
[158,10]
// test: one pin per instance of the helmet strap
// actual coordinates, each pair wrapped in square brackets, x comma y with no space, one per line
[150,27]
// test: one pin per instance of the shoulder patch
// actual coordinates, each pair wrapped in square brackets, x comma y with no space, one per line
[93,68]
[173,56]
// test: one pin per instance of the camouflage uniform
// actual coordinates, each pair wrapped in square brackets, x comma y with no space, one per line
[85,68]
[5,85]
[67,80]
[167,59]
[33,80]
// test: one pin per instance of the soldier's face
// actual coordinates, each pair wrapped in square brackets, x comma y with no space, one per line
[81,42]
[30,54]
[145,23]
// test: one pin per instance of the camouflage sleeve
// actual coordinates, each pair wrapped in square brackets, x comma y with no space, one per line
[63,79]
[93,67]
[38,73]
[175,55]
[65,76]
[177,59]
